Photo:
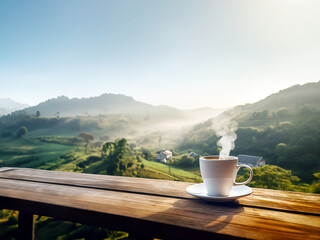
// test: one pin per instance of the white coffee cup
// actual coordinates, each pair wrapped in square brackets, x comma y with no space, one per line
[219,175]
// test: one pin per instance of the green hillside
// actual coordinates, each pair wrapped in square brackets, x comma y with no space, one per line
[30,153]
[290,98]
[284,130]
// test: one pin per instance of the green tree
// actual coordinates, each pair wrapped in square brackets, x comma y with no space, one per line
[87,137]
[186,161]
[276,117]
[315,186]
[283,112]
[273,177]
[113,155]
[38,114]
[146,154]
[7,134]
[22,131]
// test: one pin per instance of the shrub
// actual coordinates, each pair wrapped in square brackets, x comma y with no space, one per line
[22,131]
[7,134]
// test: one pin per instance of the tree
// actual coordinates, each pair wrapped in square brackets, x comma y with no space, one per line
[276,117]
[132,146]
[146,154]
[22,131]
[169,162]
[7,134]
[315,186]
[273,177]
[113,154]
[97,144]
[186,161]
[38,114]
[87,137]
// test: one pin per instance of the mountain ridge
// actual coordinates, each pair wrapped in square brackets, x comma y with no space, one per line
[109,103]
[290,97]
[8,105]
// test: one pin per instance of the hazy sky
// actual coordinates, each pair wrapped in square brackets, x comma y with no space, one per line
[184,53]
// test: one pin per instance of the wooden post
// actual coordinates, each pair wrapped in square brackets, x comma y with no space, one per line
[26,226]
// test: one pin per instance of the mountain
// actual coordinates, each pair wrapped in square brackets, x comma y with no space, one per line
[112,104]
[283,128]
[290,98]
[7,106]
[104,104]
[290,104]
[284,104]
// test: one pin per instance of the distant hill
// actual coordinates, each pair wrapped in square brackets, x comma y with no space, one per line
[110,104]
[104,104]
[283,128]
[287,104]
[7,106]
[109,115]
[286,101]
[294,105]
[289,98]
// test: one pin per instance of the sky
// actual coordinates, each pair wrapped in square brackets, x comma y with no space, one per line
[181,53]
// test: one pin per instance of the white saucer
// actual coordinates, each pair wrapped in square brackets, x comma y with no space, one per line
[200,191]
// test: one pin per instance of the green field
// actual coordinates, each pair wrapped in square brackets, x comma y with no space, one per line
[175,173]
[30,153]
[45,153]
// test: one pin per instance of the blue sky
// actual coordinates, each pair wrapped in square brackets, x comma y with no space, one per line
[181,53]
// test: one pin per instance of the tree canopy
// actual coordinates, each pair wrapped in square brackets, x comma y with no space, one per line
[274,177]
[87,137]
[22,131]
[113,154]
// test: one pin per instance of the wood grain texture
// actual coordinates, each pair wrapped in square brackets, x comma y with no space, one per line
[263,198]
[146,207]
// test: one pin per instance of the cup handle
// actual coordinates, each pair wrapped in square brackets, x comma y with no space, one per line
[248,180]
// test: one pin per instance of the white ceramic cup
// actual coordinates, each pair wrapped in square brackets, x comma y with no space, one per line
[219,175]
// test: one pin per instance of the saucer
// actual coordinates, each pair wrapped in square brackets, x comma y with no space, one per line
[200,191]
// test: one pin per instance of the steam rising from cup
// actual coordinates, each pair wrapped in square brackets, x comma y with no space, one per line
[225,128]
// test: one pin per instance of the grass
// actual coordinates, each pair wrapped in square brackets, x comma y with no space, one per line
[35,153]
[30,153]
[177,173]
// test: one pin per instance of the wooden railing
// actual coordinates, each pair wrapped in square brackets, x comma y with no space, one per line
[149,208]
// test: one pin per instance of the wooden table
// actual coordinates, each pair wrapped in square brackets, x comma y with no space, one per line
[148,208]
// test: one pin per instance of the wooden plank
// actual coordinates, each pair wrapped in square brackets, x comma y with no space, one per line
[264,198]
[162,217]
[26,225]
[3,169]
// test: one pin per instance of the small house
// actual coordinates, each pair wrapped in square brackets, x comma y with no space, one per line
[163,155]
[252,161]
[194,155]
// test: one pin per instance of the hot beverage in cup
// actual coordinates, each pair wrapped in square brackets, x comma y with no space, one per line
[219,175]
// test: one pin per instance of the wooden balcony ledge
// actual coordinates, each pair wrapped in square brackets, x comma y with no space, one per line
[148,208]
